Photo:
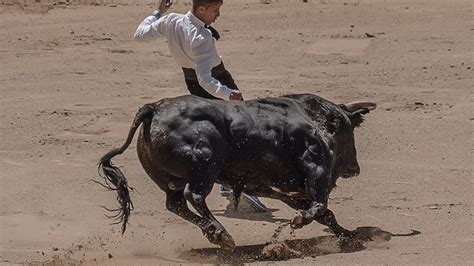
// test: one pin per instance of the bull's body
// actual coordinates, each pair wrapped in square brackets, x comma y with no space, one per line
[291,148]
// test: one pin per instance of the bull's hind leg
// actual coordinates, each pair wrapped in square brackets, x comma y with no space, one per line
[176,203]
[196,192]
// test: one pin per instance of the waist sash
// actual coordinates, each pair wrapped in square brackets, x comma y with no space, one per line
[190,73]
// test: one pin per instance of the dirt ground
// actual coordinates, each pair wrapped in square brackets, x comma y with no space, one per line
[72,78]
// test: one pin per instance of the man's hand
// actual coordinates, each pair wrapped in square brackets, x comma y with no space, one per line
[235,95]
[164,6]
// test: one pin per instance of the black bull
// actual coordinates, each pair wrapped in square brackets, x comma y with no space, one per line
[292,148]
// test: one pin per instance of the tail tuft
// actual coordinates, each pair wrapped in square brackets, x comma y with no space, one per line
[115,180]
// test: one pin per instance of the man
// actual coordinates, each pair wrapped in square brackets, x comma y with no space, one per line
[191,43]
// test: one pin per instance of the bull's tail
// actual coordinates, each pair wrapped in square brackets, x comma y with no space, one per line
[113,176]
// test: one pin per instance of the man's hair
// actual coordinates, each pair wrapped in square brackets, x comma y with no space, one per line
[197,3]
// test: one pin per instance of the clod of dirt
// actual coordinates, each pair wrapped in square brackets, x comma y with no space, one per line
[279,251]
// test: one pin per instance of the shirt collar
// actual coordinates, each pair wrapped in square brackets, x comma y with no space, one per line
[195,20]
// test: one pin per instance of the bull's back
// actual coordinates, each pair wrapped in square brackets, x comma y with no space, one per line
[262,136]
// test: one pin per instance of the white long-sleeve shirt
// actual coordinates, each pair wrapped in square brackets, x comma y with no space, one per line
[191,45]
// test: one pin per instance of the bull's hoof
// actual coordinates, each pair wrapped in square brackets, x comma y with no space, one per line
[297,222]
[221,238]
[226,241]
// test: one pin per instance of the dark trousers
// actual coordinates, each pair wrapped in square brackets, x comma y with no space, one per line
[219,73]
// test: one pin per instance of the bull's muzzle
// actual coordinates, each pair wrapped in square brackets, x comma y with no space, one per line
[351,171]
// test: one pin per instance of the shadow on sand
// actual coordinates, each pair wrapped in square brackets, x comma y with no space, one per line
[251,215]
[295,248]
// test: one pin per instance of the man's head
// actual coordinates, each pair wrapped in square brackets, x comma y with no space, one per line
[207,10]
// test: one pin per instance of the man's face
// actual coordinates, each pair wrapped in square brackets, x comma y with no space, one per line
[209,13]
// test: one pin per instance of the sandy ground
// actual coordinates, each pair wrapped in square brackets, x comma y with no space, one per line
[72,78]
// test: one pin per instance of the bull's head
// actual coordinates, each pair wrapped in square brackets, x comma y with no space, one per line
[346,159]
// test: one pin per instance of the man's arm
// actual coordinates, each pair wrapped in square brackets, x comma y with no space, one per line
[204,52]
[152,27]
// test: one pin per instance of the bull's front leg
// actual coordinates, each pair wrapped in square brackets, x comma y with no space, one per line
[316,171]
[318,193]
[329,219]
[314,166]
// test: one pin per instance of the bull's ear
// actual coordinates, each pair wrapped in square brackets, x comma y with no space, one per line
[362,111]
[356,110]
[356,117]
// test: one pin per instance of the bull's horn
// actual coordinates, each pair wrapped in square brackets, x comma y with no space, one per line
[351,107]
